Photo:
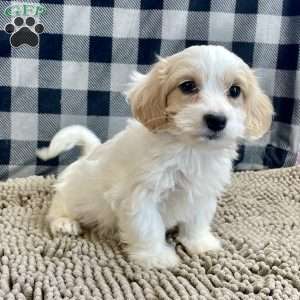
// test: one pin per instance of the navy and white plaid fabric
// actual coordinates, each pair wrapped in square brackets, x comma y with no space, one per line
[89,48]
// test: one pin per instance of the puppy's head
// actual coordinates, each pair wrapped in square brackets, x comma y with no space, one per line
[204,94]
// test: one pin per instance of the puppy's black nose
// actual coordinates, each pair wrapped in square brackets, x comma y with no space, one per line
[215,122]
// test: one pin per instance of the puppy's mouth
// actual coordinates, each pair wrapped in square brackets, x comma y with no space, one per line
[213,136]
[209,136]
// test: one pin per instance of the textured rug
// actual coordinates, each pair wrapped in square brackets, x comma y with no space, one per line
[258,220]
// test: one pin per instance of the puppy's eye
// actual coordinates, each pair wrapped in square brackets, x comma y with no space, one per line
[234,91]
[188,87]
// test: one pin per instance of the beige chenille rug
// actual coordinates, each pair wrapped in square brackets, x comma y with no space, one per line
[258,220]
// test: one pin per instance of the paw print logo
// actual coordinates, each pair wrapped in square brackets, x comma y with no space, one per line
[24,32]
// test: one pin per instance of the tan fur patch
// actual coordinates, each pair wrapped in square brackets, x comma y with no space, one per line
[258,108]
[154,99]
[148,98]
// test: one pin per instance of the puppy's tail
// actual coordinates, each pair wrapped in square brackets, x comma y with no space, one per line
[66,139]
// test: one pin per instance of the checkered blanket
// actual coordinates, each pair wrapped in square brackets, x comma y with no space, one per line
[89,47]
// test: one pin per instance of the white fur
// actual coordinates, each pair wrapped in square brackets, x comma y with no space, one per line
[66,139]
[141,183]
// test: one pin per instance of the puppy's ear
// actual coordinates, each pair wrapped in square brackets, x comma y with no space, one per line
[147,96]
[259,110]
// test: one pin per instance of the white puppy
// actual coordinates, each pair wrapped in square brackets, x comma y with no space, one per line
[169,165]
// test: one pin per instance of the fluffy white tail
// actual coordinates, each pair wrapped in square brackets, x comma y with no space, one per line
[66,139]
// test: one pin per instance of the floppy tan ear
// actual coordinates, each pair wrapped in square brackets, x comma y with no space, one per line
[259,110]
[147,97]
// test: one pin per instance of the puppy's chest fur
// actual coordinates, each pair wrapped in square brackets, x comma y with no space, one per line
[182,180]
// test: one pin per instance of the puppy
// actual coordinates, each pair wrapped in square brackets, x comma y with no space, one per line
[171,163]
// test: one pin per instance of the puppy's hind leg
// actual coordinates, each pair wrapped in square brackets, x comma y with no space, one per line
[60,219]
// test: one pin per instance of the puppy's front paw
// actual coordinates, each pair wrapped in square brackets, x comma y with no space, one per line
[206,242]
[164,257]
[65,226]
